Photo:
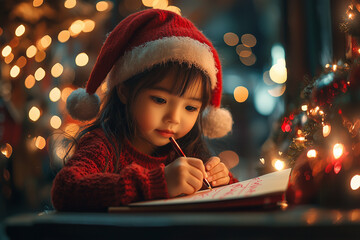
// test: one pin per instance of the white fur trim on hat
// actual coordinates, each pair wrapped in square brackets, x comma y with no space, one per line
[217,122]
[82,106]
[181,49]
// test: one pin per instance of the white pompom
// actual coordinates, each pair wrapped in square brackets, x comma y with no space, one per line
[217,122]
[83,106]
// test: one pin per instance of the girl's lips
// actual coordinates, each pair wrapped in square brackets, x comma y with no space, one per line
[165,133]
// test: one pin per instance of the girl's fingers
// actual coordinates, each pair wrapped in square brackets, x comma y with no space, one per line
[212,162]
[217,169]
[221,181]
[219,175]
[197,163]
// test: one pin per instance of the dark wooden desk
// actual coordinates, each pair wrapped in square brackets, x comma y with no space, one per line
[294,223]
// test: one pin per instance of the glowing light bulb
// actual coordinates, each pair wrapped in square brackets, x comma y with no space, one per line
[102,6]
[39,74]
[76,27]
[40,142]
[57,70]
[311,153]
[20,30]
[81,59]
[279,164]
[29,81]
[89,25]
[31,51]
[355,182]
[326,130]
[6,150]
[14,71]
[55,122]
[64,36]
[304,108]
[6,51]
[55,94]
[34,114]
[70,4]
[338,150]
[241,94]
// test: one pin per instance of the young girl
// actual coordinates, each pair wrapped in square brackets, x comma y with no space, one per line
[164,80]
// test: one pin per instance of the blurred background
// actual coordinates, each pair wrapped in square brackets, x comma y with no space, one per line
[268,48]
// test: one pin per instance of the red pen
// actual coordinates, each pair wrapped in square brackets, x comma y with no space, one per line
[181,153]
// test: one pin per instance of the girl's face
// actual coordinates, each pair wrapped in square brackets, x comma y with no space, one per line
[160,114]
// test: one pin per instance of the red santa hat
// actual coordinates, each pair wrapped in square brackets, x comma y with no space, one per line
[139,42]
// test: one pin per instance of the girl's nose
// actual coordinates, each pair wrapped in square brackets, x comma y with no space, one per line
[173,115]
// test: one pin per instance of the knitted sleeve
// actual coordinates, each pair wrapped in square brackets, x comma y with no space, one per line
[232,178]
[83,185]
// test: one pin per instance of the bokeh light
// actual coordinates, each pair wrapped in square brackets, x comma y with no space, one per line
[55,94]
[31,51]
[55,122]
[248,40]
[338,150]
[70,4]
[29,81]
[6,51]
[355,182]
[40,142]
[81,59]
[57,70]
[231,38]
[34,114]
[20,30]
[39,74]
[241,94]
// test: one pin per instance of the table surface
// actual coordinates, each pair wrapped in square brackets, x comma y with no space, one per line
[301,222]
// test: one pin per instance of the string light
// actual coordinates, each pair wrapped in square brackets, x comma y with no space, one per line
[231,38]
[160,4]
[29,81]
[326,130]
[34,114]
[40,56]
[311,153]
[39,74]
[81,59]
[40,142]
[89,25]
[147,3]
[55,94]
[55,122]
[64,36]
[14,71]
[6,150]
[70,4]
[241,94]
[304,108]
[65,93]
[338,150]
[37,3]
[76,27]
[9,58]
[102,6]
[57,70]
[31,51]
[6,51]
[20,30]
[248,40]
[44,42]
[355,182]
[279,164]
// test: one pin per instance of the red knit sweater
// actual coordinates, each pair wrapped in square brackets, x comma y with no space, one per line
[88,181]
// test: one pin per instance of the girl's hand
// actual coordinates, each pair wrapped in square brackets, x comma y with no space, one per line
[217,172]
[184,176]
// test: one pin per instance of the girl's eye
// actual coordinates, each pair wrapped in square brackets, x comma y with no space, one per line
[158,100]
[191,108]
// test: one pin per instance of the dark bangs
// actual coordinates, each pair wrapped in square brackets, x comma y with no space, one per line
[185,74]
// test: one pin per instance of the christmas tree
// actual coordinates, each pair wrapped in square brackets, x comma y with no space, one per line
[320,138]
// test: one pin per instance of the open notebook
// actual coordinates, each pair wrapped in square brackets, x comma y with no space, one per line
[263,191]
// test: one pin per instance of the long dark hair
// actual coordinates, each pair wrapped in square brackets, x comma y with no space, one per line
[115,118]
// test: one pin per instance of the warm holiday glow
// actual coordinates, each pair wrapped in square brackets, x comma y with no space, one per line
[279,164]
[338,150]
[9,58]
[65,93]
[248,61]
[31,51]
[55,122]
[174,9]
[6,150]
[355,182]
[6,51]
[243,50]
[40,56]
[44,42]
[55,94]
[57,70]
[262,160]
[63,36]
[76,27]
[148,3]
[304,108]
[311,153]
[70,3]
[231,38]
[89,25]
[20,30]
[34,114]
[40,142]
[39,74]
[81,59]
[334,67]
[277,91]
[102,6]
[14,71]
[278,72]
[160,4]
[241,94]
[326,130]
[21,62]
[29,81]
[37,3]
[248,40]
